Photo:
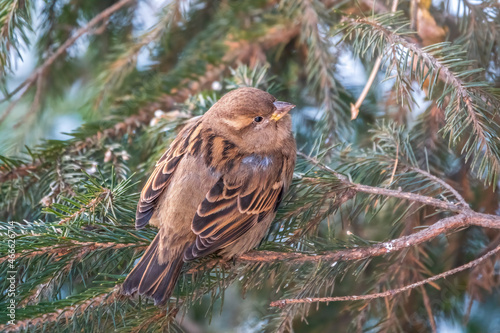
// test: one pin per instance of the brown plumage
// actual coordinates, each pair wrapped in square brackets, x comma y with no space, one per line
[216,189]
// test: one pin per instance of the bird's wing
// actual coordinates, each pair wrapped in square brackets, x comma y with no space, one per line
[238,201]
[188,141]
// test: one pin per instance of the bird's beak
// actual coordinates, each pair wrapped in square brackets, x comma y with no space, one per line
[282,108]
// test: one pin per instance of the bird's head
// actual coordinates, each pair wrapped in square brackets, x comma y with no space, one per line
[253,118]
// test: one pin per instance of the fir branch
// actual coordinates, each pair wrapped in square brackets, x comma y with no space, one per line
[446,225]
[66,247]
[236,51]
[9,173]
[479,28]
[119,68]
[471,105]
[91,205]
[148,321]
[315,19]
[376,66]
[466,218]
[66,313]
[15,19]
[38,239]
[391,292]
[444,184]
[383,191]
[393,149]
[35,293]
[33,78]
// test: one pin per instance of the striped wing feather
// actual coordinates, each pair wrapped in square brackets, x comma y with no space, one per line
[231,208]
[187,141]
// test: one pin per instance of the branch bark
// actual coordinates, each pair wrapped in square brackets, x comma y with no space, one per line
[444,226]
[388,293]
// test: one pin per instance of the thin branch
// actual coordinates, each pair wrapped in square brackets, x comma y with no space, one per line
[442,183]
[388,293]
[463,90]
[396,161]
[61,50]
[444,226]
[90,206]
[63,249]
[373,75]
[17,172]
[320,165]
[355,107]
[382,191]
[428,308]
[409,196]
[64,313]
[36,101]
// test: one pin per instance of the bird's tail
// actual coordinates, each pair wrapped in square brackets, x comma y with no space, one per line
[153,279]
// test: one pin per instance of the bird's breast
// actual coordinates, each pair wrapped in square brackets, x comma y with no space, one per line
[257,161]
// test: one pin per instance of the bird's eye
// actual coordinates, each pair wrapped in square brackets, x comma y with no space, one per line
[258,119]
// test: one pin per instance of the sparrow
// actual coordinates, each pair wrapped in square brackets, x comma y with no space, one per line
[216,189]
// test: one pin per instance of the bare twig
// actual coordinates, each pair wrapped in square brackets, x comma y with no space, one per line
[409,196]
[395,165]
[394,6]
[376,66]
[61,50]
[355,107]
[388,293]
